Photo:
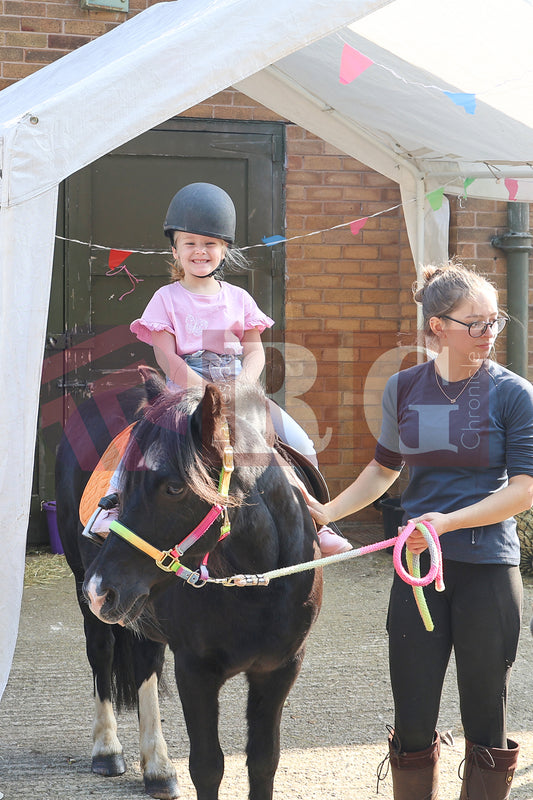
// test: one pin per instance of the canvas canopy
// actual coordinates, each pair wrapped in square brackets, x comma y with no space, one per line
[443,104]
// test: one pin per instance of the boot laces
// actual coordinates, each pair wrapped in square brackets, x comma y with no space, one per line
[480,757]
[383,766]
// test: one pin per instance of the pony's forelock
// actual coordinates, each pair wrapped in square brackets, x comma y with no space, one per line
[163,440]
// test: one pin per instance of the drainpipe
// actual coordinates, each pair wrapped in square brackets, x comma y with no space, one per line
[516,244]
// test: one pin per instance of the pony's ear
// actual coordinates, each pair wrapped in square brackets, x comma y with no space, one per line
[153,383]
[207,420]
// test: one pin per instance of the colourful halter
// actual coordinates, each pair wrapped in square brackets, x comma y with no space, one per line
[169,560]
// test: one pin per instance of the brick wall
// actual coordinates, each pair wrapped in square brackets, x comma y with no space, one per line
[348,297]
[36,32]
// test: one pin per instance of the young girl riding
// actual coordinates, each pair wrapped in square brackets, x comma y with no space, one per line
[205,330]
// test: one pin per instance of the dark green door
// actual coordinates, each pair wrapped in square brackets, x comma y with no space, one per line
[119,202]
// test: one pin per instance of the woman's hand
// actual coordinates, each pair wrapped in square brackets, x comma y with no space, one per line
[416,542]
[318,511]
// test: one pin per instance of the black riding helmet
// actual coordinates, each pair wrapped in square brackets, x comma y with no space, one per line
[204,209]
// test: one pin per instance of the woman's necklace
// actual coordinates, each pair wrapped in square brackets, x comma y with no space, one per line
[447,396]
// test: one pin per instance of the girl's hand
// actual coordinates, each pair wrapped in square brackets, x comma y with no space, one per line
[416,542]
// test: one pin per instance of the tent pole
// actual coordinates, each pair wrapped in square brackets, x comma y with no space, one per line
[419,256]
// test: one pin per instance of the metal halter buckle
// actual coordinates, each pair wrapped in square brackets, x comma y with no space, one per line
[167,562]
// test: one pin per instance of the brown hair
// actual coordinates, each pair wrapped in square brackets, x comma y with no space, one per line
[442,288]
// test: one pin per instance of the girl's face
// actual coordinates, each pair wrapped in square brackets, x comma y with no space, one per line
[198,255]
[456,337]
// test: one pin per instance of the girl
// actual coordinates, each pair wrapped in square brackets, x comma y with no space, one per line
[464,426]
[205,330]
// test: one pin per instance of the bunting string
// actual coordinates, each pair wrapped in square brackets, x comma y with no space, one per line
[352,64]
[435,199]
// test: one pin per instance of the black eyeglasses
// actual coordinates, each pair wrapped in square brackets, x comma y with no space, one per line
[478,328]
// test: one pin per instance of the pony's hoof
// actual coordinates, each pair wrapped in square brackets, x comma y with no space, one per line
[110,766]
[162,788]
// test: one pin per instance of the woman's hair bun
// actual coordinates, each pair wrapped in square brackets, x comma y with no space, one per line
[428,274]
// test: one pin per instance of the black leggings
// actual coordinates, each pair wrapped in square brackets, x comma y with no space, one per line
[478,615]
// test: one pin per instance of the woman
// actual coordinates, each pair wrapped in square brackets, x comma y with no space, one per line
[464,426]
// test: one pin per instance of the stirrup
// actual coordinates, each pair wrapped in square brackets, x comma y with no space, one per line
[105,504]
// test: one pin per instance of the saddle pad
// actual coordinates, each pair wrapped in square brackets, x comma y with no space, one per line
[98,484]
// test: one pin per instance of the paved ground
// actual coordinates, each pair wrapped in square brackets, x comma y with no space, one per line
[333,734]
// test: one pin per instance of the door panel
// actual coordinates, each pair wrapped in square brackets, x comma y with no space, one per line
[120,202]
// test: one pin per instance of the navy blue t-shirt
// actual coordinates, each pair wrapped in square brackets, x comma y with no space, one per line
[459,453]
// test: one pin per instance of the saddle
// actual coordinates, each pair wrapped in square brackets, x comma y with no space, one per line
[310,476]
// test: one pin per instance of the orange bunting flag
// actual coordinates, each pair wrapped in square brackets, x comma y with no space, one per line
[353,63]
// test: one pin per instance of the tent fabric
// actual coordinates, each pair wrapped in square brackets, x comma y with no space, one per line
[56,121]
[397,117]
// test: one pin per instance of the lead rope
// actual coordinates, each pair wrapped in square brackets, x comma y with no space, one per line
[412,577]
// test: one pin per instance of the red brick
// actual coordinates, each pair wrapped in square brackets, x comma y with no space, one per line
[67,42]
[25,9]
[44,56]
[9,23]
[11,53]
[84,27]
[322,163]
[321,310]
[17,71]
[41,25]
[25,39]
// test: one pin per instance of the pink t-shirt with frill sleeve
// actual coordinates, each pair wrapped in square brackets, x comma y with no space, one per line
[214,322]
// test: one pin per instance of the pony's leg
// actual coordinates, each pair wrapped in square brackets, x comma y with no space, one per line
[107,755]
[199,690]
[160,778]
[266,695]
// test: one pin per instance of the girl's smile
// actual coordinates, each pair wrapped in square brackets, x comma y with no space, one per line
[198,255]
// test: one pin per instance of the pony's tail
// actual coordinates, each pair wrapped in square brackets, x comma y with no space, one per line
[123,683]
[135,659]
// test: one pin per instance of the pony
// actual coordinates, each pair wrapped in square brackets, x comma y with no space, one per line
[161,578]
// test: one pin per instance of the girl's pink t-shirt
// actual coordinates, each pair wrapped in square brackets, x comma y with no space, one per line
[214,322]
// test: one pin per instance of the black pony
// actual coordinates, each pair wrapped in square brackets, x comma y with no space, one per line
[135,603]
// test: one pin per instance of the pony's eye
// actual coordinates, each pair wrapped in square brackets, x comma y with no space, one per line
[175,489]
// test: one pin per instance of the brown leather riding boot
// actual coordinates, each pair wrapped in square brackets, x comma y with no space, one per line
[415,776]
[488,771]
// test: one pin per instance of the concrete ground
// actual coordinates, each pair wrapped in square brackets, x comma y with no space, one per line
[333,732]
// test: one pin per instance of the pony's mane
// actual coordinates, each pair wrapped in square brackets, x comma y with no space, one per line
[164,438]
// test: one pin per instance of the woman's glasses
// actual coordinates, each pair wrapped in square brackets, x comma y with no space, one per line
[478,328]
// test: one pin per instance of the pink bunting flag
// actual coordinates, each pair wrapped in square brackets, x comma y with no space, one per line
[357,225]
[116,257]
[512,187]
[353,63]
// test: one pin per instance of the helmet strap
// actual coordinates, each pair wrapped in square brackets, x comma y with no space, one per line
[220,267]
